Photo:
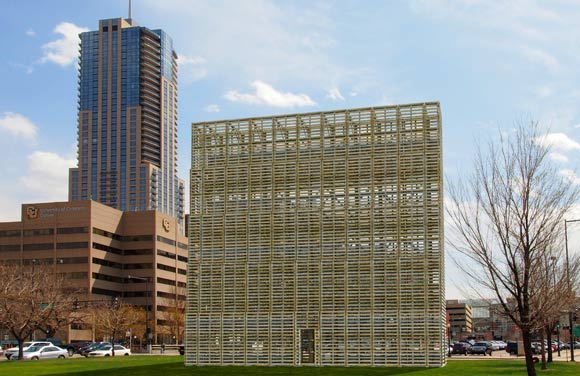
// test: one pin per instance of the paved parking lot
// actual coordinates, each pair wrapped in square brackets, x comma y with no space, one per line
[500,354]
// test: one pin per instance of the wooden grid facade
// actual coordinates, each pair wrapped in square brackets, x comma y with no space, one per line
[330,222]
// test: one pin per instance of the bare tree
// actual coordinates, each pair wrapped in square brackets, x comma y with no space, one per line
[174,315]
[31,298]
[552,295]
[139,326]
[506,219]
[115,319]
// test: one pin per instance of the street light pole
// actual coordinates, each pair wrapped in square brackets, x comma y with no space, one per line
[570,313]
[554,260]
[147,328]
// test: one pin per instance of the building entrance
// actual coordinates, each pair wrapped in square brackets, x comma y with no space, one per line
[307,346]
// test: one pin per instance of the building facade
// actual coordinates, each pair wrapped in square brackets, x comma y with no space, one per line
[460,319]
[488,321]
[127,120]
[140,257]
[318,239]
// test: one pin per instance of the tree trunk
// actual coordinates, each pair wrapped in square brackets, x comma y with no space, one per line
[20,339]
[20,349]
[527,339]
[549,338]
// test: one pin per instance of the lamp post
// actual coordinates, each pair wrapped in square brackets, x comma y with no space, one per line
[147,328]
[570,314]
[553,259]
[57,262]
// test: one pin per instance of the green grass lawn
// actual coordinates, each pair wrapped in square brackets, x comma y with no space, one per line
[173,366]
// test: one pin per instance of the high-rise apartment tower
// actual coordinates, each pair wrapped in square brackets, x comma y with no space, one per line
[127,120]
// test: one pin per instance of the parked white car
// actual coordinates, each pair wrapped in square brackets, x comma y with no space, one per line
[501,344]
[107,351]
[44,352]
[14,350]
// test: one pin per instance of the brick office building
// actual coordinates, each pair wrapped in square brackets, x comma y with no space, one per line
[98,249]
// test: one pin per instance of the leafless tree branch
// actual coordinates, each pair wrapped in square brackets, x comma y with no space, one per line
[507,220]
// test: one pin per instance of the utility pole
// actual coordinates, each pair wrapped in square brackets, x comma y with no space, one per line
[570,312]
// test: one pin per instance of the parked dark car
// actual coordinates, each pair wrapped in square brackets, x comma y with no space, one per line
[512,348]
[77,347]
[484,348]
[566,346]
[461,348]
[81,350]
[181,349]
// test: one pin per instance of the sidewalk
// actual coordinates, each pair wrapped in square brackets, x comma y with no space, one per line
[503,355]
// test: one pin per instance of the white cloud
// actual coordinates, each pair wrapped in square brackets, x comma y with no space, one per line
[47,175]
[18,125]
[267,95]
[63,51]
[334,94]
[544,91]
[558,141]
[26,68]
[191,68]
[560,158]
[30,33]
[9,208]
[529,29]
[212,108]
[571,176]
[276,41]
[541,57]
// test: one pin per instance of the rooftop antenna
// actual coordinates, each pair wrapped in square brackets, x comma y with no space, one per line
[129,10]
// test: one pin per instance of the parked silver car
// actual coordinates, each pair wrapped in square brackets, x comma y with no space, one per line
[14,350]
[44,352]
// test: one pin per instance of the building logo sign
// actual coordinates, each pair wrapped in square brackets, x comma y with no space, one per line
[166,224]
[32,212]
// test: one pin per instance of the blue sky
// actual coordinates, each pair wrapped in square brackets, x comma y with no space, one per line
[489,63]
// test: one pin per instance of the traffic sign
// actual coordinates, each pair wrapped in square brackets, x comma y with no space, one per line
[576,331]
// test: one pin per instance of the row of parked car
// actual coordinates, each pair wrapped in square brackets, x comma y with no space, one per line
[472,347]
[537,346]
[36,350]
[487,347]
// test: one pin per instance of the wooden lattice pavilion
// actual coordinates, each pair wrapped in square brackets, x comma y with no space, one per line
[318,239]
